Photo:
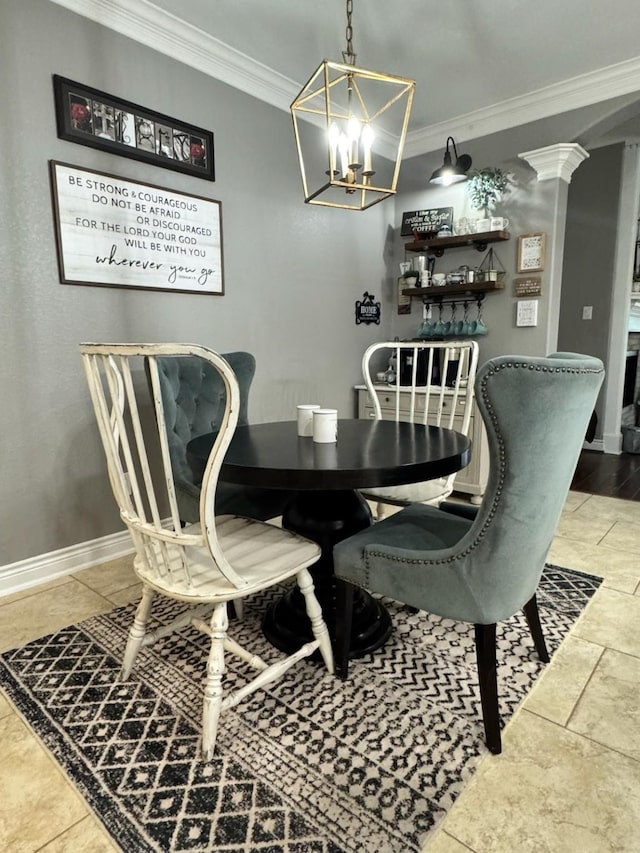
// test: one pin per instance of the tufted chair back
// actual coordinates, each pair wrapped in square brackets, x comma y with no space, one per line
[484,569]
[193,396]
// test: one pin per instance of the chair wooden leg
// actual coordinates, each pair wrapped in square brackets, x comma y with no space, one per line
[137,632]
[487,676]
[314,612]
[344,614]
[213,685]
[533,621]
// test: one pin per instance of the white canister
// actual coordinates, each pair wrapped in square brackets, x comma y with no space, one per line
[305,418]
[325,426]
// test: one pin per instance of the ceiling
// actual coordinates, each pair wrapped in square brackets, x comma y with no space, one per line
[481,66]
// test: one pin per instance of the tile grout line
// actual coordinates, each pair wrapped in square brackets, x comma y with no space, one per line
[586,684]
[583,737]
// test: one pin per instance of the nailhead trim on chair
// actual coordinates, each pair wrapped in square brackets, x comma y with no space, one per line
[498,491]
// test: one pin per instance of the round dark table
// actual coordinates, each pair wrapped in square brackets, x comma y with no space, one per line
[327,507]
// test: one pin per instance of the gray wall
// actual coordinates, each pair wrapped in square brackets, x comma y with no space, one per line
[292,272]
[587,279]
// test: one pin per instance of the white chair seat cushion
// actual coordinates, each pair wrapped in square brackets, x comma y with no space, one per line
[261,553]
[425,492]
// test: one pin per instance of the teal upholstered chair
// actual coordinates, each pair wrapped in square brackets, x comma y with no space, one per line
[485,569]
[193,396]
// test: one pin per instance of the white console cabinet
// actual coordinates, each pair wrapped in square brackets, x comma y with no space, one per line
[471,480]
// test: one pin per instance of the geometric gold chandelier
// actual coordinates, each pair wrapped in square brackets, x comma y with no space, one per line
[350,127]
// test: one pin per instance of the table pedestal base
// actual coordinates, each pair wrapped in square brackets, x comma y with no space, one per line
[327,518]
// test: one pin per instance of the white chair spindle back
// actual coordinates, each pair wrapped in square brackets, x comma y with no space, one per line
[119,406]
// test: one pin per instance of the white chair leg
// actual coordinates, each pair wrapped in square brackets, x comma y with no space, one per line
[314,612]
[213,686]
[137,632]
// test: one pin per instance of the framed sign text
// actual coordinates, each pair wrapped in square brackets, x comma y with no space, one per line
[122,233]
[426,221]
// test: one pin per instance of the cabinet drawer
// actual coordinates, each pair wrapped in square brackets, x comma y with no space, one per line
[388,401]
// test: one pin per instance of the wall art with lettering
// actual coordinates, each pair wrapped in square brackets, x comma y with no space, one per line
[367,311]
[122,233]
[93,118]
[427,221]
[531,250]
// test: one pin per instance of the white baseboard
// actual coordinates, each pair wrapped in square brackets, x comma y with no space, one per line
[596,444]
[612,443]
[46,567]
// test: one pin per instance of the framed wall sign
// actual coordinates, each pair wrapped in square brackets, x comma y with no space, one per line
[531,249]
[367,311]
[426,221]
[122,233]
[531,286]
[93,118]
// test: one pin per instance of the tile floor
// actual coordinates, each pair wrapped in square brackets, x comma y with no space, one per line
[569,775]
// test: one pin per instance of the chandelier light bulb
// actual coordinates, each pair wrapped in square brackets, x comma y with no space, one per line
[367,141]
[334,136]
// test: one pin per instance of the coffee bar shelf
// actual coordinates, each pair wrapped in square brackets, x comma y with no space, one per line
[472,290]
[437,245]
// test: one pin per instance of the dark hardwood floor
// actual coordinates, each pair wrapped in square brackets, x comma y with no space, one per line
[609,475]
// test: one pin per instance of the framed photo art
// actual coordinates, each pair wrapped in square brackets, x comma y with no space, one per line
[90,117]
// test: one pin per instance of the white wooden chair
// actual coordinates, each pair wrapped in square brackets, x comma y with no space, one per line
[207,563]
[433,384]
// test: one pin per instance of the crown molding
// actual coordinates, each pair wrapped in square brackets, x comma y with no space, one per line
[555,161]
[147,24]
[623,78]
[164,32]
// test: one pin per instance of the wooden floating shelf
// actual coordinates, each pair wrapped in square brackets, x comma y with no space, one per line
[437,245]
[429,294]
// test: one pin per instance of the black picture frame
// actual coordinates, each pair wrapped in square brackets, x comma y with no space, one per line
[90,117]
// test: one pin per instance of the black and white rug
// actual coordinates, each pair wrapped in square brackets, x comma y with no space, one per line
[311,764]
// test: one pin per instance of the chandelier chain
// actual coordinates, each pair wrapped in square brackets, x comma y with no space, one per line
[349,55]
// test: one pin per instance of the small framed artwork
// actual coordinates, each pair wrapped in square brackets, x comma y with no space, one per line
[90,117]
[530,286]
[531,248]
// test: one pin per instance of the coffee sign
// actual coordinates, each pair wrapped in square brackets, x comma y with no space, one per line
[426,221]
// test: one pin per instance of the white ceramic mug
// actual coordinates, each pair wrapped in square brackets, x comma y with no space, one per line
[325,426]
[305,418]
[499,223]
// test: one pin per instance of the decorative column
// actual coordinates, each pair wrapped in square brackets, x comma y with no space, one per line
[628,211]
[554,165]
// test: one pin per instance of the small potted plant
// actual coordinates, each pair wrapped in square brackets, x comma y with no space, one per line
[485,187]
[410,278]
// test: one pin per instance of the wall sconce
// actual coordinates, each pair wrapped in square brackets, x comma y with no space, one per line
[448,173]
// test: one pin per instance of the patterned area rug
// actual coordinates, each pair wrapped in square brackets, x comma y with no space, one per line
[312,764]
